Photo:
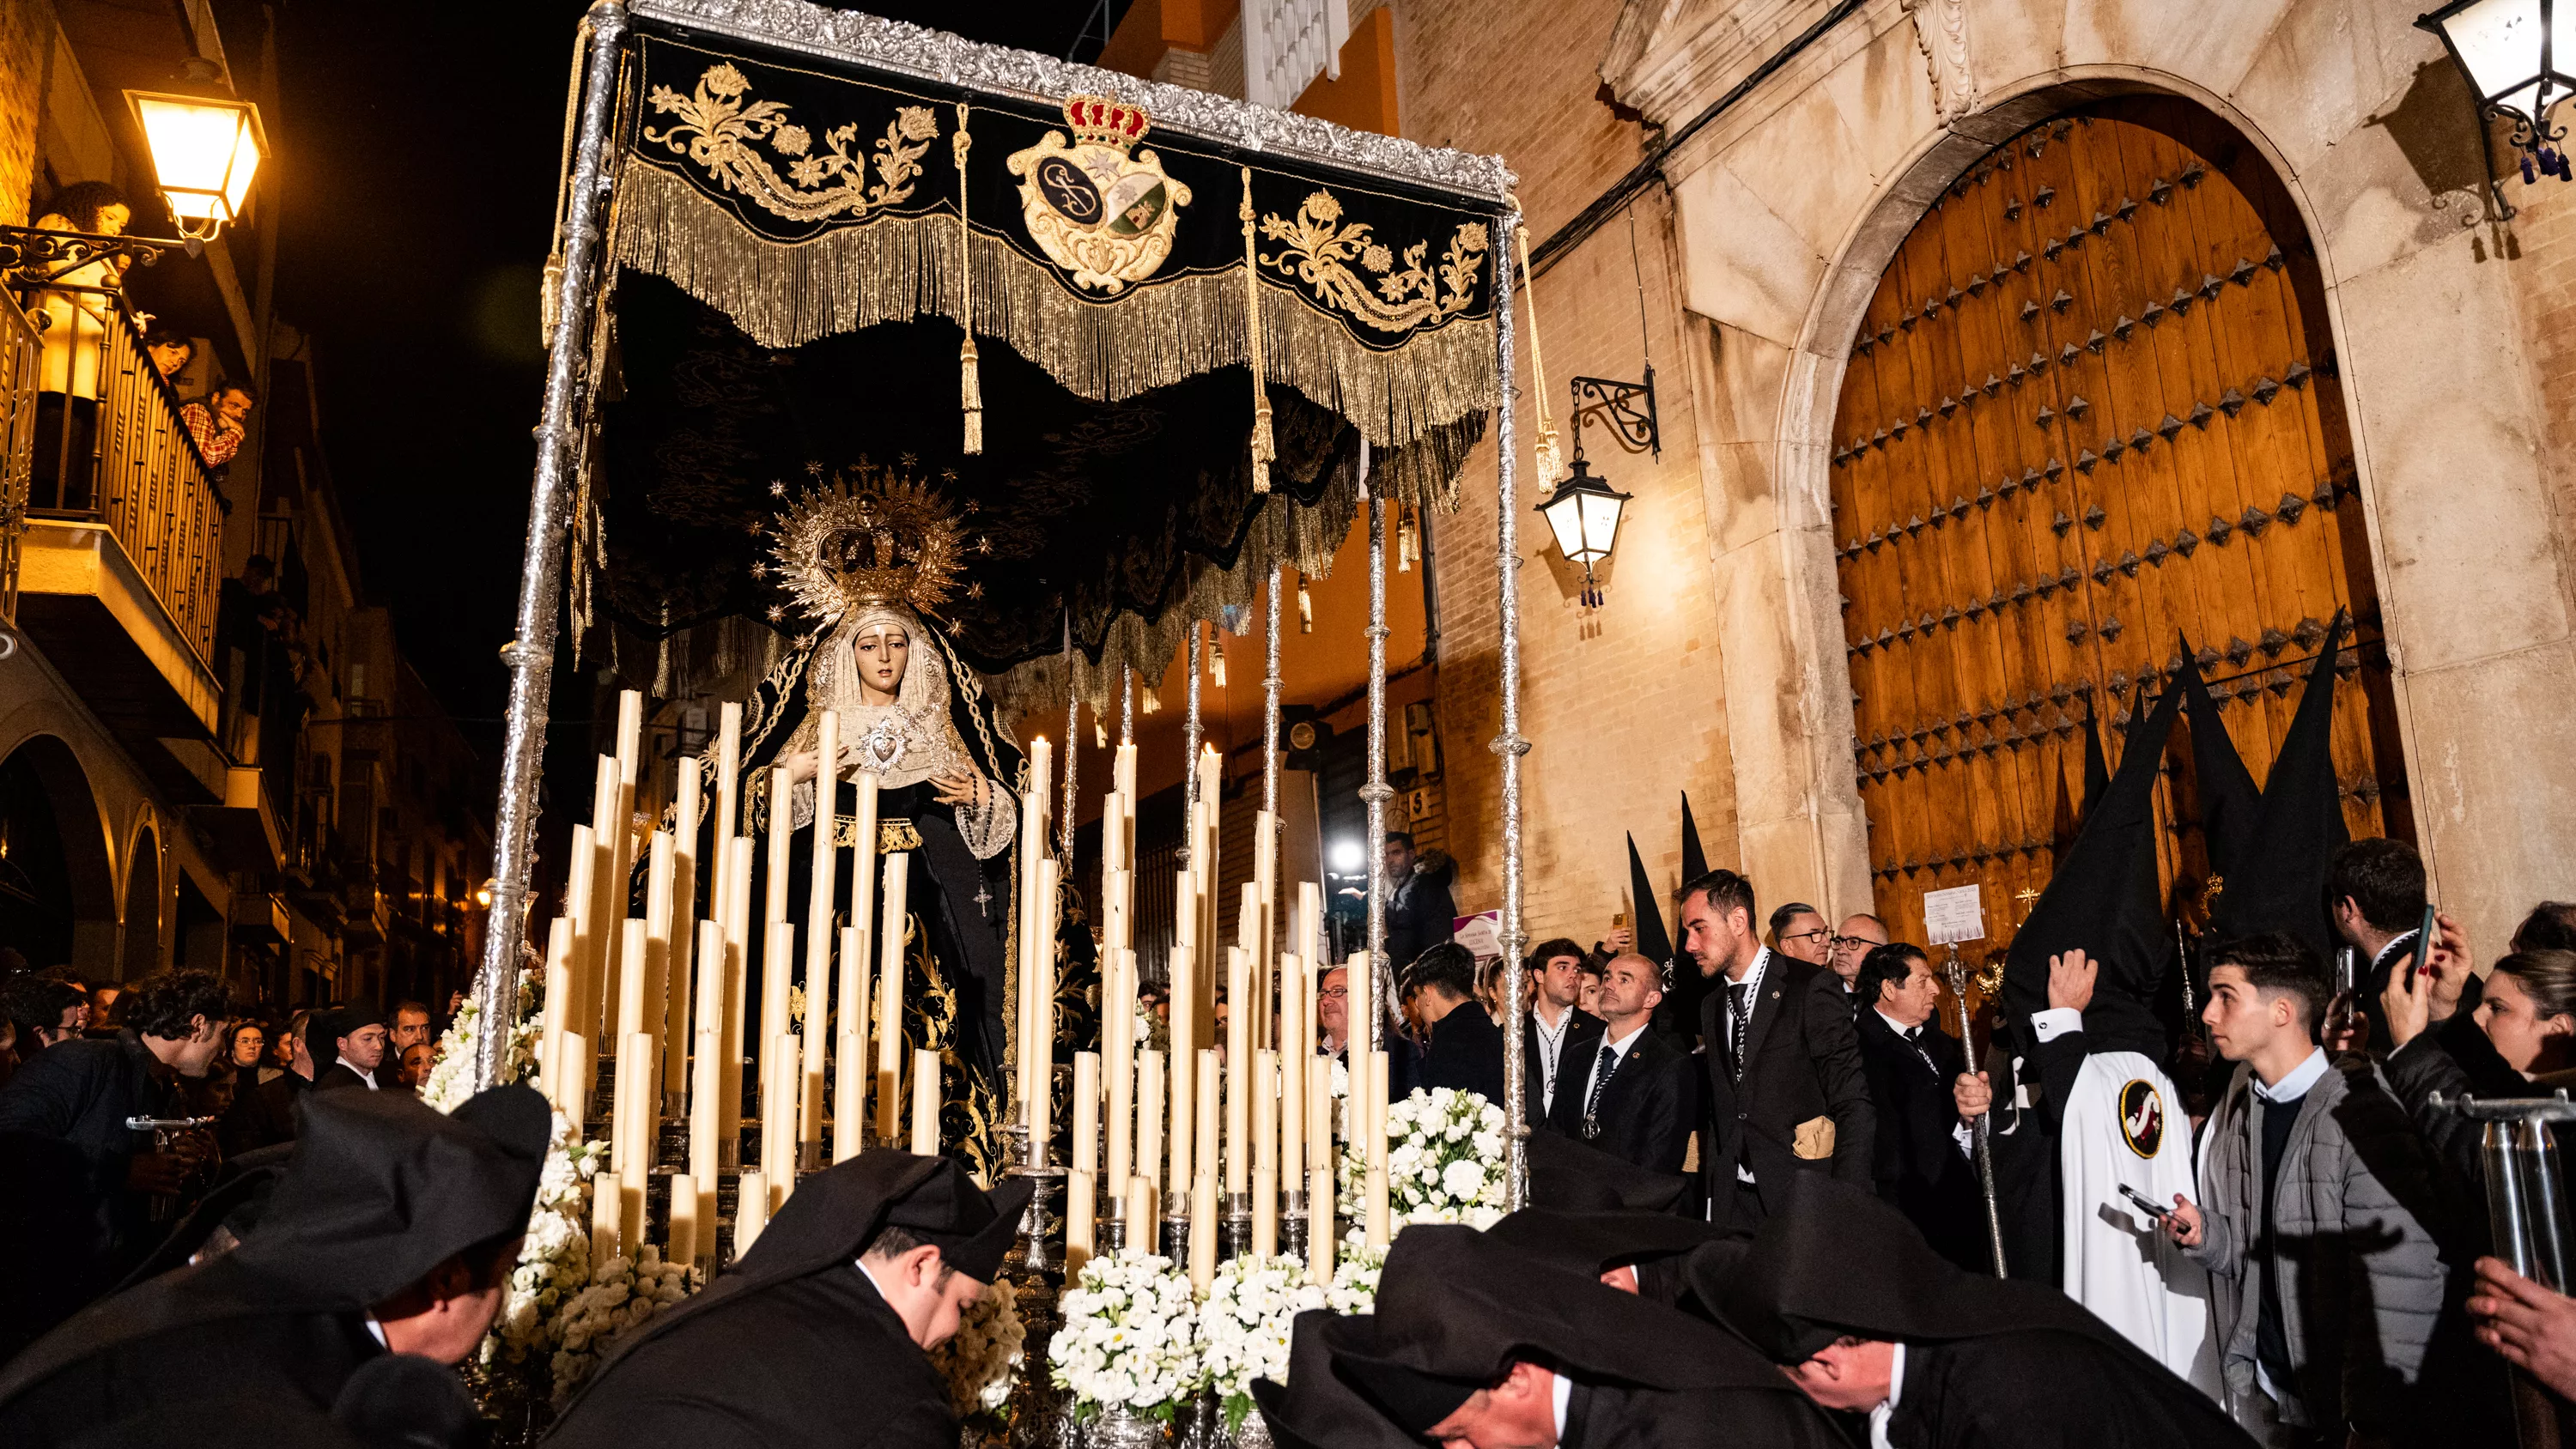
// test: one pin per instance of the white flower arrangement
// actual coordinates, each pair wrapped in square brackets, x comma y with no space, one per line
[623,1296]
[451,1069]
[981,1364]
[1244,1325]
[1130,1337]
[1355,1277]
[1443,1165]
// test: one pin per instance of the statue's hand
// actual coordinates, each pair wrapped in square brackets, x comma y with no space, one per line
[960,787]
[799,766]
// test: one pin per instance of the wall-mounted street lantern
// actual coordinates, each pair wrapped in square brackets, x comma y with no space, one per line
[2508,53]
[205,150]
[1583,513]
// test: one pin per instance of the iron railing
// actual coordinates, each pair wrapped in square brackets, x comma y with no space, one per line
[120,455]
[18,348]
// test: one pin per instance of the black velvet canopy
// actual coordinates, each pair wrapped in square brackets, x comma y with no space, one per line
[798,243]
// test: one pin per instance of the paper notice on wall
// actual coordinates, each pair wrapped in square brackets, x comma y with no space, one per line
[1954,915]
[1481,933]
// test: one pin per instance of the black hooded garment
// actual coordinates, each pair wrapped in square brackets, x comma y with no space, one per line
[1565,1173]
[1455,1308]
[380,1190]
[1594,1242]
[1989,1363]
[794,1345]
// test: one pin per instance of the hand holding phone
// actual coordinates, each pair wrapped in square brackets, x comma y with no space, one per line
[2145,1204]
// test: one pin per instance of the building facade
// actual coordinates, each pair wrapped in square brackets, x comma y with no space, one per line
[2000,347]
[211,751]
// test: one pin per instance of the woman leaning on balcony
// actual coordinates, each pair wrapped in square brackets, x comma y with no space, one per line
[75,312]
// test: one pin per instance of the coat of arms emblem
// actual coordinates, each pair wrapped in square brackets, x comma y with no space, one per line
[1096,205]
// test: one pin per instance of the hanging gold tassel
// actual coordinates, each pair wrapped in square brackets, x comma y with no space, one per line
[1545,455]
[1305,608]
[1264,451]
[970,381]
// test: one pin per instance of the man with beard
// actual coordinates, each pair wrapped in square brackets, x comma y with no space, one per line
[821,1333]
[1861,1314]
[389,1241]
[1475,1343]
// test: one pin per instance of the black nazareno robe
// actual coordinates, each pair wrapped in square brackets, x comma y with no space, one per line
[266,1344]
[1990,1363]
[1459,1307]
[794,1345]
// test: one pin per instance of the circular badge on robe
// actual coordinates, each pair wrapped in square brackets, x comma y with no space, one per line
[2142,1117]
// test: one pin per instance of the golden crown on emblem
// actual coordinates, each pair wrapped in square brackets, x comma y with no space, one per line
[1103,121]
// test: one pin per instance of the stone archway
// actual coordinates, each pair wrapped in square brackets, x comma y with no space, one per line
[140,952]
[57,877]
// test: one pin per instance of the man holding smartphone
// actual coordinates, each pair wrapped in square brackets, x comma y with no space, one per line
[2324,1287]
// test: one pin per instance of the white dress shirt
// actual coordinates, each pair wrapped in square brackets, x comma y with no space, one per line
[1752,984]
[1879,1416]
[1618,1056]
[1564,1392]
[1551,1051]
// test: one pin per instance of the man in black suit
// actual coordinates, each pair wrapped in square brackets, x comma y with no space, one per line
[357,1036]
[1786,1091]
[1636,1091]
[1558,1037]
[1464,1050]
[1921,1162]
[1419,911]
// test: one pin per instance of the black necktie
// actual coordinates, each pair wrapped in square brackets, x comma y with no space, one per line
[1739,1005]
[1601,1078]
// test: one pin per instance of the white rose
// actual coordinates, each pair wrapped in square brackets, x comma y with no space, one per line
[1464,1180]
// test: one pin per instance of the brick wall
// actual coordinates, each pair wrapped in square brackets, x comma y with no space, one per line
[1625,705]
[26,34]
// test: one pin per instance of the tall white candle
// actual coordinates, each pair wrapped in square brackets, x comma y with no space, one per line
[1149,1116]
[782,824]
[1208,1120]
[891,919]
[1203,1215]
[925,1102]
[1265,1211]
[858,939]
[1319,1227]
[607,1214]
[820,938]
[1086,1113]
[1238,1069]
[1041,1091]
[1081,1203]
[750,1212]
[684,1220]
[1184,1053]
[682,933]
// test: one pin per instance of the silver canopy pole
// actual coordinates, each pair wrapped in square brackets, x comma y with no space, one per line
[1376,792]
[1509,744]
[530,654]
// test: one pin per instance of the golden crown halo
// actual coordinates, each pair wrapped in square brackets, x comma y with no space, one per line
[870,535]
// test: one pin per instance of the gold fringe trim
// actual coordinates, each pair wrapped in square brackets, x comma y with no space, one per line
[1264,451]
[1547,457]
[970,380]
[782,294]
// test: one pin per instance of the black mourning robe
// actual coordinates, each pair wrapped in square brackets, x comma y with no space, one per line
[2049,1388]
[1602,1415]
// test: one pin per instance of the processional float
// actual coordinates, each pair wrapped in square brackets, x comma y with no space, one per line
[1195,340]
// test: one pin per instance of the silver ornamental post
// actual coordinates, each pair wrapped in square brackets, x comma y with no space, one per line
[1509,744]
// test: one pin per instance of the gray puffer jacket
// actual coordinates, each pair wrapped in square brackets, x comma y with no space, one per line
[2359,1275]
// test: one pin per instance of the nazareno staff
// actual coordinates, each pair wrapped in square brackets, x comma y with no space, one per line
[821,1334]
[1845,1295]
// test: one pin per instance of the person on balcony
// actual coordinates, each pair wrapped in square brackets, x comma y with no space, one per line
[170,350]
[74,311]
[215,421]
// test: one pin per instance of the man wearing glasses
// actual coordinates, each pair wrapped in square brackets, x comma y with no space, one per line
[1859,936]
[1799,932]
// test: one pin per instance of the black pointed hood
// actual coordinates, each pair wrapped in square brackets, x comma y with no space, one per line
[832,1215]
[1694,859]
[1593,1243]
[1653,941]
[1317,1408]
[1568,1175]
[2097,772]
[2280,885]
[2102,899]
[1838,1260]
[2229,800]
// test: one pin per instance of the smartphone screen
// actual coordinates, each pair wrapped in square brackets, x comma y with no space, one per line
[2146,1204]
[2424,939]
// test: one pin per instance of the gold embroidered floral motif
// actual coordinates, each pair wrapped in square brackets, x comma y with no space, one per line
[718,129]
[1319,251]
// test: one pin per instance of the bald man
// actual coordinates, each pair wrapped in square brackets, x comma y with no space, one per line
[1858,936]
[1636,1101]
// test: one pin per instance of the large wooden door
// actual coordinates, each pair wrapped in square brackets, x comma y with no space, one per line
[2093,407]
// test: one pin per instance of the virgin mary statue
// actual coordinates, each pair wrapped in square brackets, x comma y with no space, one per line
[871,563]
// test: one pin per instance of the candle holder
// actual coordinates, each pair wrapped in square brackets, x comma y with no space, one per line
[1237,1239]
[1292,1226]
[1038,1420]
[1110,1227]
[1176,1238]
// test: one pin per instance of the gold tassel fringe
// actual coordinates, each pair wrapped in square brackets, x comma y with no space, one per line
[970,380]
[1264,450]
[1547,457]
[783,294]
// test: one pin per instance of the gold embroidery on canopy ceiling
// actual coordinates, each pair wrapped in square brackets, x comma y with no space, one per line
[717,129]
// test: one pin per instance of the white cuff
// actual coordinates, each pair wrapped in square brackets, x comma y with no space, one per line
[2055,1022]
[1964,1139]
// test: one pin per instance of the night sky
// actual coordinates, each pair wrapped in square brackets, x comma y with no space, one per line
[417,162]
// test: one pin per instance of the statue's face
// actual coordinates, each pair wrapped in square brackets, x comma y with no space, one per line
[881,654]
